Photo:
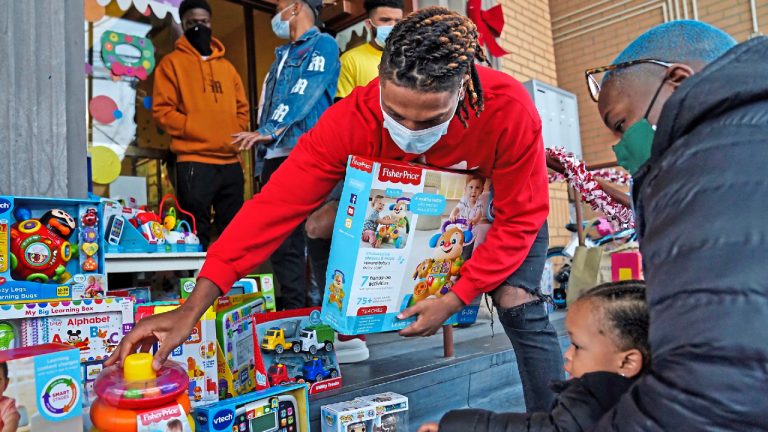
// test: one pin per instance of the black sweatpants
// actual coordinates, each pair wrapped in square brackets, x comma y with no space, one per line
[289,260]
[200,186]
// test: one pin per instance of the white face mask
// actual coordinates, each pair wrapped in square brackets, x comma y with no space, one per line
[414,142]
[282,28]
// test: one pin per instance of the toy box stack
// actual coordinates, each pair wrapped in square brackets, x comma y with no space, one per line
[281,408]
[198,353]
[401,235]
[255,283]
[43,388]
[385,412]
[50,249]
[295,346]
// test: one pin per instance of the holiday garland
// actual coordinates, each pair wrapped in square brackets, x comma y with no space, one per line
[591,192]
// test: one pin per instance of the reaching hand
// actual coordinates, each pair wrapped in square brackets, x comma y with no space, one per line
[432,313]
[171,329]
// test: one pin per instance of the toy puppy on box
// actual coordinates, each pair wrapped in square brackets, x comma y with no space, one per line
[337,289]
[435,276]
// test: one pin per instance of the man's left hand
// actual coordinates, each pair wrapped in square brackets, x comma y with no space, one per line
[432,313]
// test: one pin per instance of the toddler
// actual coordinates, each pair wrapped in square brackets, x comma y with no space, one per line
[9,416]
[373,220]
[608,328]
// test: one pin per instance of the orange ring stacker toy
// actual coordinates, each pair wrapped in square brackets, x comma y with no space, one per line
[124,393]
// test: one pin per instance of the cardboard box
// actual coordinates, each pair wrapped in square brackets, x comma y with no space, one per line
[283,408]
[44,387]
[351,416]
[391,411]
[295,346]
[236,360]
[255,283]
[95,326]
[412,251]
[39,243]
[198,353]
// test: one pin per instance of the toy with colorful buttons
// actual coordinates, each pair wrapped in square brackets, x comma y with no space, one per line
[234,332]
[50,249]
[282,408]
[136,398]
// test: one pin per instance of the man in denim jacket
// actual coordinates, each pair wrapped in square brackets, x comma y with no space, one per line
[300,86]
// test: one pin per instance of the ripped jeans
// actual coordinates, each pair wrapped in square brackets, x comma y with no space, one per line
[534,339]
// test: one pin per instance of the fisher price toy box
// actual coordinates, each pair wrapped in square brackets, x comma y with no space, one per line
[43,391]
[402,234]
[50,249]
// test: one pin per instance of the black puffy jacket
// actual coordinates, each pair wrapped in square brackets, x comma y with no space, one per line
[702,211]
[578,407]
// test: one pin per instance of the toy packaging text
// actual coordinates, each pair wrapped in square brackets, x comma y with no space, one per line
[43,391]
[401,235]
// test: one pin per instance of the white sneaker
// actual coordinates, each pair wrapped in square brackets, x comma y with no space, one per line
[351,351]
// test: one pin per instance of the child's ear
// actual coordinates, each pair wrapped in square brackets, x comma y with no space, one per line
[631,363]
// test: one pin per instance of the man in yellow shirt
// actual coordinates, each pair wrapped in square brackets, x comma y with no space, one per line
[360,65]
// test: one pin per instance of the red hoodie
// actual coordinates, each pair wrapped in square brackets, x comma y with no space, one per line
[504,143]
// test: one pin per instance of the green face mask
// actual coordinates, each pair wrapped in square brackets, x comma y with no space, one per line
[634,149]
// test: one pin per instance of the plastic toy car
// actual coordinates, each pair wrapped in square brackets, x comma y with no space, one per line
[314,371]
[278,374]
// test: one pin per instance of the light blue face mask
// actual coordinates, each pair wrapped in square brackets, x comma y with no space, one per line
[282,28]
[382,33]
[414,142]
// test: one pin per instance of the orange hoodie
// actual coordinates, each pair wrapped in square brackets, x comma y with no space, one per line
[200,103]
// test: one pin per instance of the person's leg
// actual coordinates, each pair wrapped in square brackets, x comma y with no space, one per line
[196,185]
[288,261]
[229,197]
[523,315]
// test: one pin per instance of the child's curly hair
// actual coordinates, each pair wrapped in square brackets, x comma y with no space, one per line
[624,314]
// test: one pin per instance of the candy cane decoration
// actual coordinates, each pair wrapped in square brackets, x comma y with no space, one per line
[583,181]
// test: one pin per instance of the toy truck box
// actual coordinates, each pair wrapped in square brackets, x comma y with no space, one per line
[282,408]
[94,327]
[236,359]
[401,235]
[295,346]
[198,353]
[50,249]
[43,392]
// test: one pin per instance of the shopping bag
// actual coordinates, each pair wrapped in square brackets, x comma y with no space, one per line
[585,269]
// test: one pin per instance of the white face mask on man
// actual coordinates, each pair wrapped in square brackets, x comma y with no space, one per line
[282,28]
[416,142]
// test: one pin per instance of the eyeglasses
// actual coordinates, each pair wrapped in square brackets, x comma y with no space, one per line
[594,85]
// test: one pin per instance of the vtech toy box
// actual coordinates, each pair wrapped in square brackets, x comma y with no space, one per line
[42,392]
[50,249]
[402,234]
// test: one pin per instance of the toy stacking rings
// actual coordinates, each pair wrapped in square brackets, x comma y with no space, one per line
[121,392]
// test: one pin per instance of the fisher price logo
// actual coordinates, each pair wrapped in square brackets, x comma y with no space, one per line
[361,164]
[160,415]
[400,174]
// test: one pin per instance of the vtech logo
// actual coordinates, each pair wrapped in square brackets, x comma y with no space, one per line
[223,419]
[5,205]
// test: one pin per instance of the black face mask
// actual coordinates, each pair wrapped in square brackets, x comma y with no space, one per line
[200,38]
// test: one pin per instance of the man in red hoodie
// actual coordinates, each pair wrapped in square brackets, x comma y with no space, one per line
[200,101]
[433,105]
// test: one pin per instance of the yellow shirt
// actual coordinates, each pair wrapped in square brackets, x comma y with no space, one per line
[359,66]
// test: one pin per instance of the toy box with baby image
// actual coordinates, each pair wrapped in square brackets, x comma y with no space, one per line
[295,346]
[402,234]
[50,250]
[40,389]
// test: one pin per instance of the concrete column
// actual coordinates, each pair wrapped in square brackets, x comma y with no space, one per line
[42,98]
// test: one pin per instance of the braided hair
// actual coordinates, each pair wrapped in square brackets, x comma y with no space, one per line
[432,50]
[624,313]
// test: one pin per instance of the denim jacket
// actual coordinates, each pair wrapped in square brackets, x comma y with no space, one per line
[304,90]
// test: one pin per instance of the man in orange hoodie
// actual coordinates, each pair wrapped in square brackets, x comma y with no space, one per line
[200,101]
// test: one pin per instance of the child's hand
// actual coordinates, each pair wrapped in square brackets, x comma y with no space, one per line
[429,427]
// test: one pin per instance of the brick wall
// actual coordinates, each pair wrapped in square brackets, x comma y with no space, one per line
[528,37]
[590,33]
